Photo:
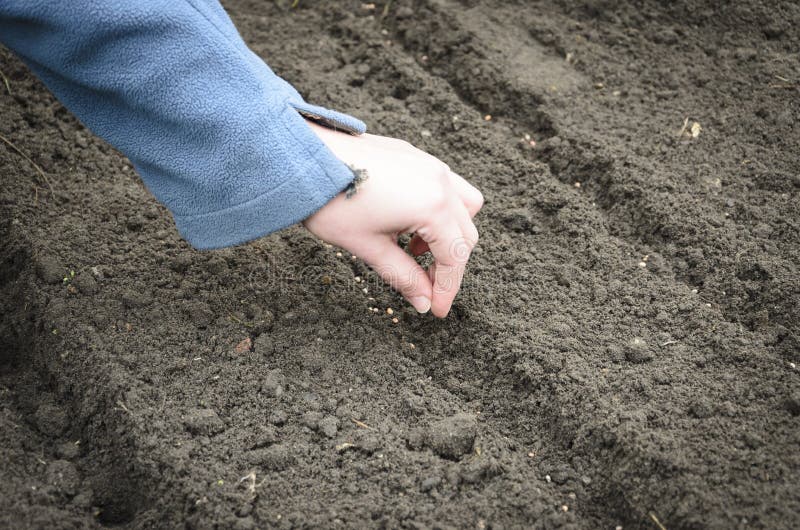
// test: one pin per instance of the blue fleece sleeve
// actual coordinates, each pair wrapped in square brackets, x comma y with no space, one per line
[213,132]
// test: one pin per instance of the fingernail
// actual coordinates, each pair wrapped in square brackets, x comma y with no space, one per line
[421,303]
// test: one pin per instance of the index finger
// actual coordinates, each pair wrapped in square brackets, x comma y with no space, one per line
[450,253]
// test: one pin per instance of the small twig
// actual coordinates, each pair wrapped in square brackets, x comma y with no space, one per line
[781,78]
[5,80]
[361,424]
[668,343]
[386,7]
[26,157]
[123,407]
[240,321]
[658,523]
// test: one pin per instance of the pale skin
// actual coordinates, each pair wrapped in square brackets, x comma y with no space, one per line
[408,191]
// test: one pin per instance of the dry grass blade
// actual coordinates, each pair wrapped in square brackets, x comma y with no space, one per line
[26,157]
[657,522]
[5,81]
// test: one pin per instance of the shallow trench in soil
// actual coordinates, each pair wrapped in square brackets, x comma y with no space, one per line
[623,352]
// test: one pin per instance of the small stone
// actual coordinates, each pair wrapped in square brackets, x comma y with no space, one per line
[51,420]
[203,422]
[63,476]
[217,266]
[312,419]
[134,299]
[405,12]
[329,426]
[273,384]
[637,351]
[85,283]
[274,458]
[243,346]
[429,483]
[792,404]
[278,417]
[180,263]
[68,450]
[200,313]
[701,409]
[453,437]
[49,270]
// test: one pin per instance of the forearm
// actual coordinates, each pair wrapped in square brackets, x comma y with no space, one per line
[211,130]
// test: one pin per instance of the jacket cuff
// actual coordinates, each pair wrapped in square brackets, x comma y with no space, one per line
[329,118]
[314,180]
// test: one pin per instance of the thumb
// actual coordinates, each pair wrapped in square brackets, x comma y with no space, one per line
[399,270]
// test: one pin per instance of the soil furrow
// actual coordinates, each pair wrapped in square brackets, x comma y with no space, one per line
[725,258]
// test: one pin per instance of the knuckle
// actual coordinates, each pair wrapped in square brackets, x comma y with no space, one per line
[438,196]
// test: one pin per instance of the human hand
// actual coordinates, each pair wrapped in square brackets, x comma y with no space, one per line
[407,191]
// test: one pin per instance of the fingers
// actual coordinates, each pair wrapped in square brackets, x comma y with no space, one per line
[450,251]
[399,270]
[472,200]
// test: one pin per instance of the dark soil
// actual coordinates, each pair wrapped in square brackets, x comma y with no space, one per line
[624,352]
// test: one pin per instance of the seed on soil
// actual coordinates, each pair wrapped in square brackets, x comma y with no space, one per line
[564,508]
[395,320]
[547,478]
[338,254]
[389,311]
[357,279]
[488,117]
[411,346]
[642,264]
[577,184]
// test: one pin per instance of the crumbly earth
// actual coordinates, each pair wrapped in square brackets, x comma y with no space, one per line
[624,352]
